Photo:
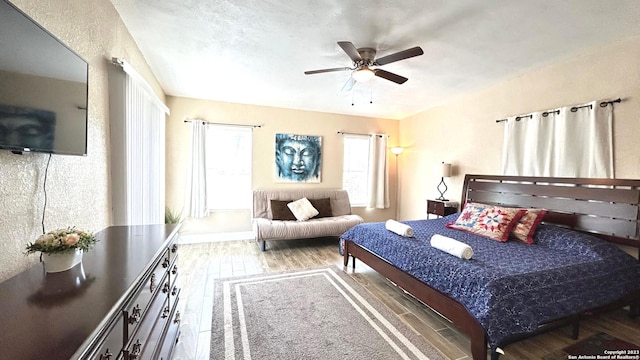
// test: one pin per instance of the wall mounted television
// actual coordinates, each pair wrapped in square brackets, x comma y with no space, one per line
[43,89]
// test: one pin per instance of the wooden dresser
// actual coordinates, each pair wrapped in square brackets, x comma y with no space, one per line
[121,303]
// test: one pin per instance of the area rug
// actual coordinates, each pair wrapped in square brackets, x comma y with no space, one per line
[598,346]
[312,314]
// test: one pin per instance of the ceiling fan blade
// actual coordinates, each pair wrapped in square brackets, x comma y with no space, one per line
[348,85]
[390,76]
[326,70]
[350,49]
[401,55]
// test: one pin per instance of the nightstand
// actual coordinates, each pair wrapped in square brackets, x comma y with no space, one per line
[441,208]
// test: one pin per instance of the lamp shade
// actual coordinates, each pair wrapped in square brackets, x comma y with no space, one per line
[397,150]
[363,74]
[445,170]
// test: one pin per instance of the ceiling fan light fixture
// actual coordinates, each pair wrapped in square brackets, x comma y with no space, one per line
[363,74]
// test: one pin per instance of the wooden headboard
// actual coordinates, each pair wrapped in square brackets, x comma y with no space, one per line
[608,208]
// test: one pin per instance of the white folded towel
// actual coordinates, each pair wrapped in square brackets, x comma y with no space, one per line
[399,228]
[452,246]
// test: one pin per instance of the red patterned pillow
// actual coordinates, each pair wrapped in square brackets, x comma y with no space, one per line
[468,216]
[494,222]
[526,226]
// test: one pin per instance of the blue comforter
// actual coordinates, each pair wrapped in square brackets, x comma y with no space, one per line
[511,287]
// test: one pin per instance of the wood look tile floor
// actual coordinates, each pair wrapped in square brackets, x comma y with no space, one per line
[201,264]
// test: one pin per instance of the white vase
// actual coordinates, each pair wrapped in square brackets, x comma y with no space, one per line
[58,262]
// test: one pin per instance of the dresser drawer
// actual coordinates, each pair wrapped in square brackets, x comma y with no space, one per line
[174,282]
[134,322]
[140,340]
[147,343]
[138,307]
[111,347]
[171,337]
[157,337]
[441,208]
[435,207]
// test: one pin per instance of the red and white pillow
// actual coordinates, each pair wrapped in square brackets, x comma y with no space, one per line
[526,226]
[493,222]
[498,222]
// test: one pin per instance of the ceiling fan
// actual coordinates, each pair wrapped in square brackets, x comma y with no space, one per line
[364,58]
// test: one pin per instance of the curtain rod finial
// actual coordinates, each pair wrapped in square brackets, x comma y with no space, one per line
[116,61]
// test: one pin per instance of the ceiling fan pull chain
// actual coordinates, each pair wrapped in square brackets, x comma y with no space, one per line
[352,102]
[371,95]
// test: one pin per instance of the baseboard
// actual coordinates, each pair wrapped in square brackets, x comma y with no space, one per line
[215,237]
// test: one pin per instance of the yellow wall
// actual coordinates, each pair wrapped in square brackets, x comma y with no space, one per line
[77,187]
[273,120]
[464,132]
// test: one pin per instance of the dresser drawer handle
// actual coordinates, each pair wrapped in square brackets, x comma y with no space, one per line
[135,350]
[176,319]
[165,263]
[174,291]
[174,248]
[135,315]
[175,269]
[165,312]
[165,288]
[106,356]
[152,286]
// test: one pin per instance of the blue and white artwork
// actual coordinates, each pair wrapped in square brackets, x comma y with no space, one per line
[298,158]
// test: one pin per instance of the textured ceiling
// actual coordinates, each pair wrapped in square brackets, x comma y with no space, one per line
[256,51]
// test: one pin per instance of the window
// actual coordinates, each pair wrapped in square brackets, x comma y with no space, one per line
[137,150]
[228,162]
[356,168]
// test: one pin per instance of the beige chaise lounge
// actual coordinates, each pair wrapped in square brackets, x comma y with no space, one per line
[265,227]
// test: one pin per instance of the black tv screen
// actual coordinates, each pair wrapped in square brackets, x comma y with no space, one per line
[43,89]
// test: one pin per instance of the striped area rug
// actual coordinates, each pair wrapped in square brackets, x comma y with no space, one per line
[312,314]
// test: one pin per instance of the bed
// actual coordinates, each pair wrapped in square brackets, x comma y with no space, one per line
[513,290]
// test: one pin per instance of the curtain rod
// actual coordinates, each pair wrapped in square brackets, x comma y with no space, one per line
[224,124]
[573,109]
[350,133]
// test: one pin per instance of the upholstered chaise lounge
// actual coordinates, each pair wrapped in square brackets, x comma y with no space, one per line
[335,219]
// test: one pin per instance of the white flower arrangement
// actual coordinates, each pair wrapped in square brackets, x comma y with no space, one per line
[62,240]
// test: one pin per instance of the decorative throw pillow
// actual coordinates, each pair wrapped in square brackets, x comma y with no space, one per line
[468,216]
[323,206]
[526,226]
[493,222]
[302,209]
[280,210]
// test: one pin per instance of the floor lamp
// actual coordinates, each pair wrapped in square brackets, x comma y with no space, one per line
[397,151]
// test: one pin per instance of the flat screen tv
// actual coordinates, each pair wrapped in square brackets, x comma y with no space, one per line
[43,89]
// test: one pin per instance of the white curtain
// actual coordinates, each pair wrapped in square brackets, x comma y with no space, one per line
[564,143]
[196,191]
[378,184]
[137,125]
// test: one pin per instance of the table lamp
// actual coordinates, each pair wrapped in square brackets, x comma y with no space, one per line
[445,172]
